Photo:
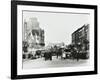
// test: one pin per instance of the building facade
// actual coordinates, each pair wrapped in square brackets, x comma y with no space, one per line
[33,35]
[80,37]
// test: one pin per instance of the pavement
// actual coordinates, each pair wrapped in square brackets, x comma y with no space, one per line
[56,62]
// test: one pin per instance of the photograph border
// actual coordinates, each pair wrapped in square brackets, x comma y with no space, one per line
[14,56]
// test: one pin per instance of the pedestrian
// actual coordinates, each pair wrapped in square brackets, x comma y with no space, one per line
[50,56]
[77,55]
[45,56]
[63,54]
[57,53]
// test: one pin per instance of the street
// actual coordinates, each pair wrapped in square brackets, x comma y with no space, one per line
[41,63]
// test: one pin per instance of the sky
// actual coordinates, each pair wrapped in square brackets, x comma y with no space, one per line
[58,27]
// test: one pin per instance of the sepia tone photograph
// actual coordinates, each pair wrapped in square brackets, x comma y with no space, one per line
[55,39]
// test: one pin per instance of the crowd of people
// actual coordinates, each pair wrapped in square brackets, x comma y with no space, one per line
[68,52]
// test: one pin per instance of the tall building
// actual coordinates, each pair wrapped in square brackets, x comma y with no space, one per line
[25,31]
[80,34]
[33,34]
[81,37]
